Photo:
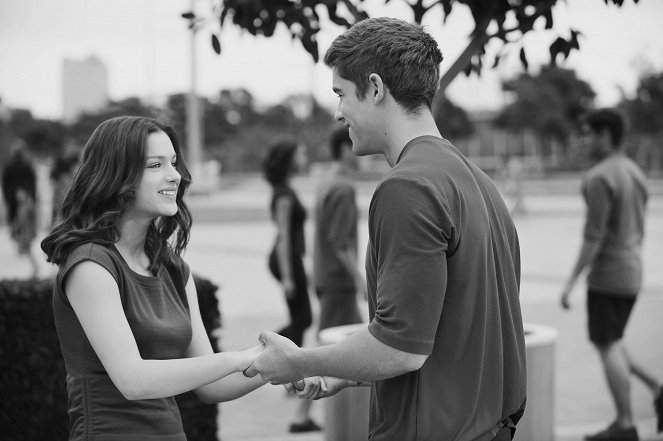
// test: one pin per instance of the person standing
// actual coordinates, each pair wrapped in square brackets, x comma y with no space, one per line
[124,301]
[336,275]
[286,259]
[615,194]
[19,189]
[444,349]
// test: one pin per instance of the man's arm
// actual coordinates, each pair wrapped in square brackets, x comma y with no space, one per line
[587,255]
[598,200]
[360,357]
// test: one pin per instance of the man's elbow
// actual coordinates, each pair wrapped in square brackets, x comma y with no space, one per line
[411,362]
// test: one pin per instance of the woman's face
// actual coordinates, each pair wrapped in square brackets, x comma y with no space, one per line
[157,193]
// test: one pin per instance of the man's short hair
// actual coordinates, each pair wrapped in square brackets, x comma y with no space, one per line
[339,140]
[607,118]
[405,56]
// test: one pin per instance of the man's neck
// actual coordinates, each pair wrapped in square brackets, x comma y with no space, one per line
[403,128]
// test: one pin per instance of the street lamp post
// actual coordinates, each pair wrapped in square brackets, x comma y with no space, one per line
[194,127]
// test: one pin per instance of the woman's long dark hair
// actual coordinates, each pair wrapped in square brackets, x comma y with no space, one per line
[278,164]
[105,186]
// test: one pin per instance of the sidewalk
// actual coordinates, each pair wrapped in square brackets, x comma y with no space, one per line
[230,241]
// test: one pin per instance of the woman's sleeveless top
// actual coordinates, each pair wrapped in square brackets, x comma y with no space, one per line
[158,314]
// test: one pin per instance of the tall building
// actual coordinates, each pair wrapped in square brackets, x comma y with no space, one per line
[84,87]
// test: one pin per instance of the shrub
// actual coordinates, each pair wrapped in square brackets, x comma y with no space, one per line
[32,381]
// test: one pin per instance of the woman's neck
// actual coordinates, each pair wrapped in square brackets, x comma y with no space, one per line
[131,245]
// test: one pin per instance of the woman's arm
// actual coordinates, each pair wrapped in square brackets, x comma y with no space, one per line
[227,388]
[283,251]
[95,298]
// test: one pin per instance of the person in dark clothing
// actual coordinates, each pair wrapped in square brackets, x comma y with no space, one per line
[286,263]
[19,190]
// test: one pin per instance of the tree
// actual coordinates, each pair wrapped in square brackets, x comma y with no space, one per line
[85,124]
[506,21]
[549,103]
[645,115]
[645,110]
[453,121]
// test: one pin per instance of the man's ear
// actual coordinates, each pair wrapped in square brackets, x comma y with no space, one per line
[376,88]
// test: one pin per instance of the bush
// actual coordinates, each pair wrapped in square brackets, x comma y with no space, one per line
[34,398]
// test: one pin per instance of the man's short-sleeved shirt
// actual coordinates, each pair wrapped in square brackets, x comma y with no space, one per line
[615,192]
[443,274]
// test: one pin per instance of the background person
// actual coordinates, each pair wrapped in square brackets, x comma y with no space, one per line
[124,302]
[19,190]
[615,193]
[286,259]
[336,273]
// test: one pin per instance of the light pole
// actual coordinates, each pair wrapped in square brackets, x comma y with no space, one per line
[194,128]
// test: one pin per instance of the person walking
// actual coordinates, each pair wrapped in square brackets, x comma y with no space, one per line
[336,275]
[444,349]
[124,301]
[615,194]
[286,259]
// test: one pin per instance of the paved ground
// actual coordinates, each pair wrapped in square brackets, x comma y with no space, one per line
[231,238]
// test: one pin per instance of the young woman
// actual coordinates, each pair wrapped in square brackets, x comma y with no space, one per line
[286,258]
[125,304]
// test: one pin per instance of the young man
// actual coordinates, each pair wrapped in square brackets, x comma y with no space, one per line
[336,275]
[615,193]
[444,350]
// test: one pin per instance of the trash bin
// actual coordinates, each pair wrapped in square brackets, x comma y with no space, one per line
[346,413]
[537,424]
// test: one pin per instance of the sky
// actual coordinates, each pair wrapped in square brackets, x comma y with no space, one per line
[146,47]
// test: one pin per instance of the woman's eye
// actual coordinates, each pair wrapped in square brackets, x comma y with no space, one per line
[154,165]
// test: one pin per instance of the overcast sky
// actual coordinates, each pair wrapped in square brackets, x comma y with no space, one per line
[146,47]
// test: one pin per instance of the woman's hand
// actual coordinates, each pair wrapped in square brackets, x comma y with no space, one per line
[289,288]
[249,355]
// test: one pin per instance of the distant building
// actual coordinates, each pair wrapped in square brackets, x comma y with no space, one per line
[84,87]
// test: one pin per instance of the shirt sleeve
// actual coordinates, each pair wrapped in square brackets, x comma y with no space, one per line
[407,223]
[342,218]
[598,199]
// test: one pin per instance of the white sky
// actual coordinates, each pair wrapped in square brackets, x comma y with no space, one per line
[146,47]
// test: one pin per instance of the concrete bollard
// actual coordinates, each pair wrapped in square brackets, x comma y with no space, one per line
[346,413]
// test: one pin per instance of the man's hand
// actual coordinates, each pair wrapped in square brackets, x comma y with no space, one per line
[319,387]
[276,362]
[565,297]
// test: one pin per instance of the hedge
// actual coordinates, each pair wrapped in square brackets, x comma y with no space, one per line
[33,398]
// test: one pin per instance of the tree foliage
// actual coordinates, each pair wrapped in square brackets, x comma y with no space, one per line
[506,21]
[548,103]
[645,110]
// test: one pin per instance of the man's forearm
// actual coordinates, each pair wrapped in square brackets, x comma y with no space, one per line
[588,253]
[359,357]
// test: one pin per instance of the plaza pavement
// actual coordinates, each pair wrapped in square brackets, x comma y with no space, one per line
[232,236]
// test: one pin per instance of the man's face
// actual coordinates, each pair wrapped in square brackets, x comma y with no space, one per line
[595,144]
[359,115]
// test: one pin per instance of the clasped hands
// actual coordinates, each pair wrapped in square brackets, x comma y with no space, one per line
[277,364]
